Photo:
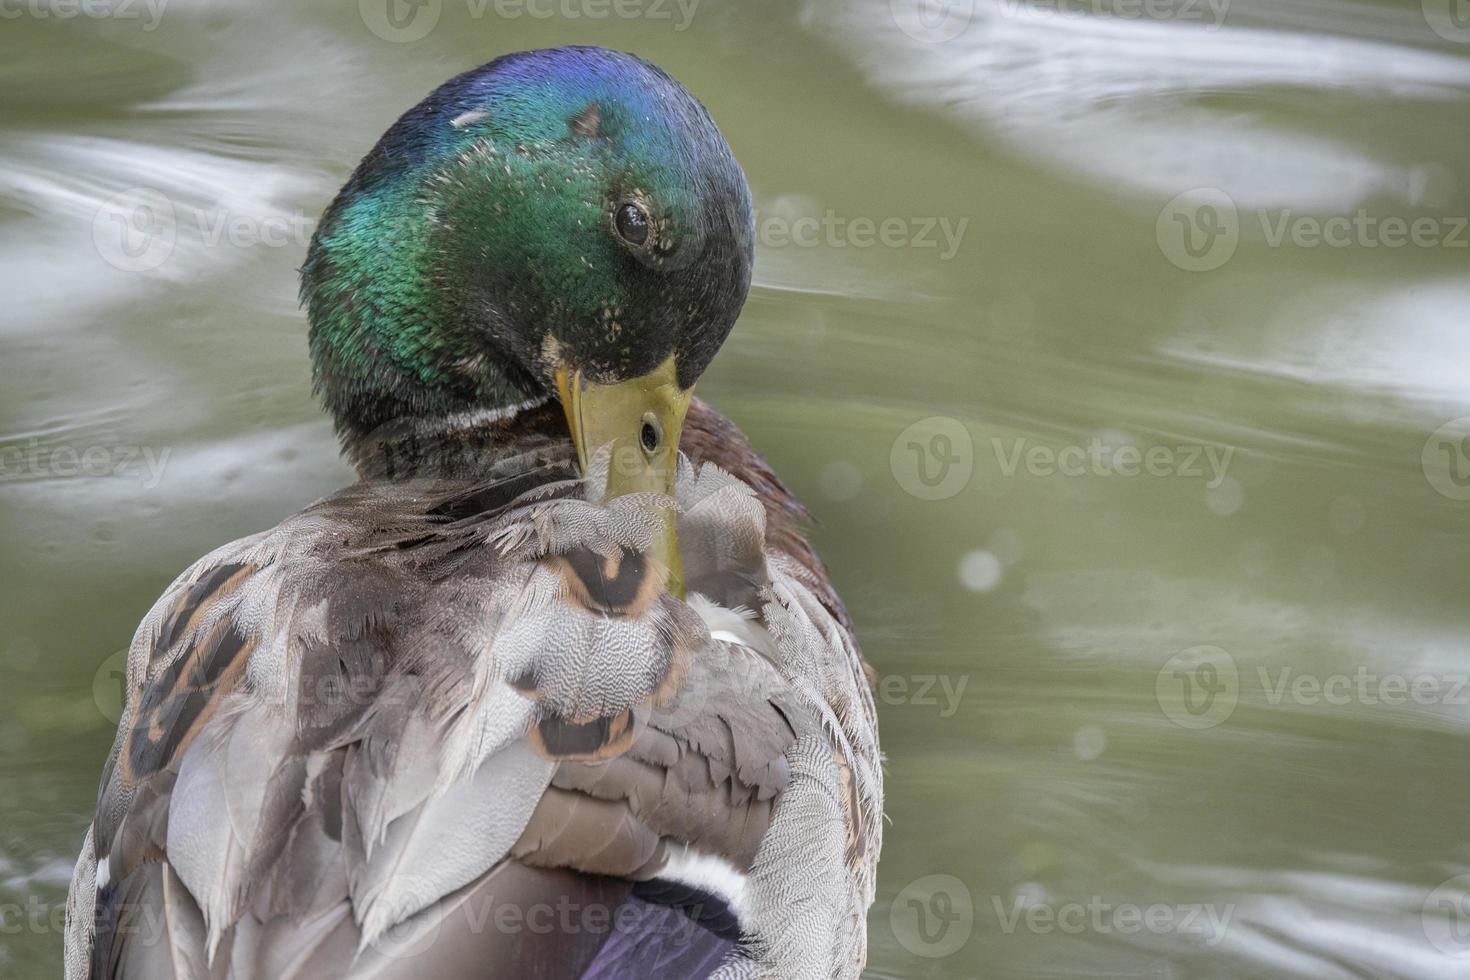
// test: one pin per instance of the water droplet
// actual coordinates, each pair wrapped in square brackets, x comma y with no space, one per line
[980,571]
[1226,498]
[1088,742]
[840,481]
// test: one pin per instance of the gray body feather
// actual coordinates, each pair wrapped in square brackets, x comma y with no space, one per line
[354,742]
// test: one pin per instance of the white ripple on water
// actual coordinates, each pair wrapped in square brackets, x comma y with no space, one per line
[1139,618]
[1355,337]
[61,184]
[1319,923]
[1119,101]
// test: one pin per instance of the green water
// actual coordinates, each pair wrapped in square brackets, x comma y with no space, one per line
[1149,501]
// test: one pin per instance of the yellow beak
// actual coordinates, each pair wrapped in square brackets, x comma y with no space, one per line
[641,419]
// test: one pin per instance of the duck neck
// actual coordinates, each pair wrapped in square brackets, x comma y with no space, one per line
[400,347]
[480,444]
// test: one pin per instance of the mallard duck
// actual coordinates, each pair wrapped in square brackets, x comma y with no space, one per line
[558,688]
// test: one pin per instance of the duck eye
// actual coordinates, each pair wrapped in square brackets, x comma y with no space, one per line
[631,223]
[649,436]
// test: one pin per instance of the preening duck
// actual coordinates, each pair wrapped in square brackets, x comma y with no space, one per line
[558,688]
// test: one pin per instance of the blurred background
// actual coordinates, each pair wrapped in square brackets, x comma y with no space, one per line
[1120,347]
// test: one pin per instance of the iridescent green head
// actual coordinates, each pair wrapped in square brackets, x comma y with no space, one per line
[566,210]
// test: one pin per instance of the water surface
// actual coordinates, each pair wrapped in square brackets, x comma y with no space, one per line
[1150,502]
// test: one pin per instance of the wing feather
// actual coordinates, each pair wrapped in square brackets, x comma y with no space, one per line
[449,840]
[350,740]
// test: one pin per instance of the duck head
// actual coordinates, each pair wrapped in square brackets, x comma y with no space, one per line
[566,223]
